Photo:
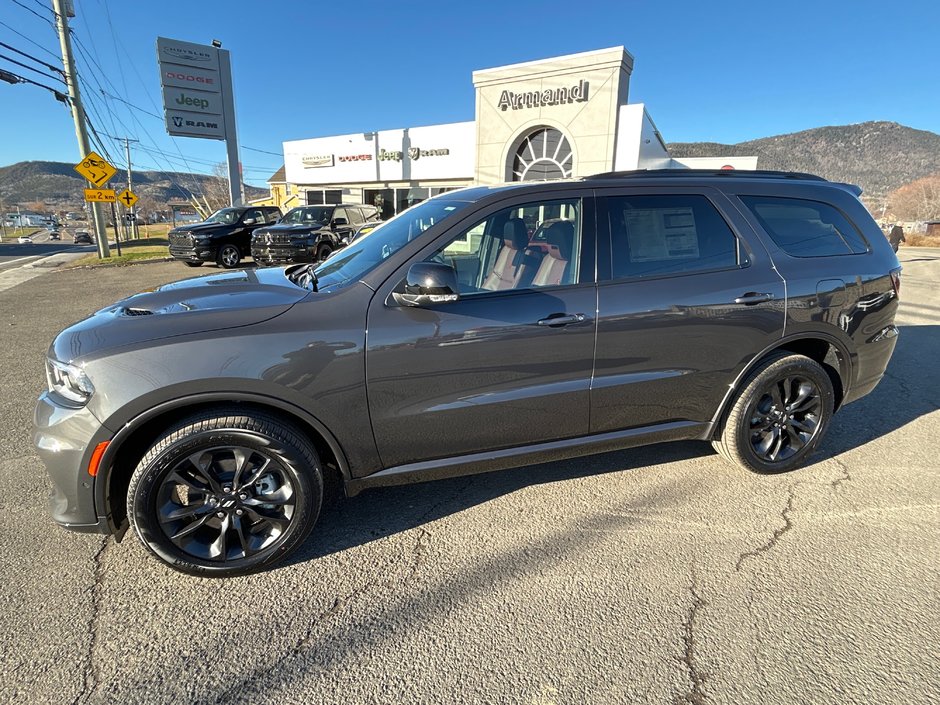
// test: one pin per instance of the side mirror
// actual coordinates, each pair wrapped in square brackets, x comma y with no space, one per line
[250,221]
[340,221]
[427,284]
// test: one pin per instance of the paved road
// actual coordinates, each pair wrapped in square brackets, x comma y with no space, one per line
[656,575]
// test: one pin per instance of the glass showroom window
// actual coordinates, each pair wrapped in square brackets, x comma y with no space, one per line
[543,154]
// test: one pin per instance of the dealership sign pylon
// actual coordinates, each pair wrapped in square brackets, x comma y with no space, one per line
[196,82]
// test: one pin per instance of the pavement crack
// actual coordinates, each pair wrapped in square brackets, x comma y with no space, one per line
[339,603]
[845,477]
[695,696]
[90,677]
[777,535]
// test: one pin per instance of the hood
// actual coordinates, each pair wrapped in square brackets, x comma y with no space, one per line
[203,304]
[199,227]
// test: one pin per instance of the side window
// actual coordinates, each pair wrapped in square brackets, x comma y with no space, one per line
[256,215]
[804,228]
[675,234]
[340,213]
[532,245]
[271,216]
[355,217]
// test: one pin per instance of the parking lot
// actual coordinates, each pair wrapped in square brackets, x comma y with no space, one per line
[654,575]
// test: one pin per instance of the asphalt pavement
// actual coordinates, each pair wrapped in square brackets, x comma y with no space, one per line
[654,575]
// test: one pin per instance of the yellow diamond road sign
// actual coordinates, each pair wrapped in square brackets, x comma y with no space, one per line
[100,195]
[94,168]
[128,198]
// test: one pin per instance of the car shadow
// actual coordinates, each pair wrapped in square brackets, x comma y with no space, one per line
[909,390]
[381,512]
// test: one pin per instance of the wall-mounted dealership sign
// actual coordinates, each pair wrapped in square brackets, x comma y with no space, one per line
[414,154]
[311,161]
[547,97]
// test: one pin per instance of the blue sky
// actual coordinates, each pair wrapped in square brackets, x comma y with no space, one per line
[708,71]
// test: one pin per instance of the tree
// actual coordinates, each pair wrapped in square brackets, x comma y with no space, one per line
[918,200]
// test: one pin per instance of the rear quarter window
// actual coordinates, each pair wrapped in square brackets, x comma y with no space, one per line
[804,228]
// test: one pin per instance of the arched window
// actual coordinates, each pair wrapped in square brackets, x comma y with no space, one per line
[543,154]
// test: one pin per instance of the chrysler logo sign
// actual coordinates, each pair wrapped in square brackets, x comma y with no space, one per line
[550,96]
[311,161]
[177,53]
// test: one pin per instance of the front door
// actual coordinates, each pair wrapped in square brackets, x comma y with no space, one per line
[508,364]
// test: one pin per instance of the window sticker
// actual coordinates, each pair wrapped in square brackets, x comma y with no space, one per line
[657,234]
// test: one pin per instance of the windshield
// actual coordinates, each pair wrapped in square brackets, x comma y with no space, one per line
[352,262]
[226,216]
[318,214]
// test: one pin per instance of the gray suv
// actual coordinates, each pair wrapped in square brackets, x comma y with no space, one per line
[482,329]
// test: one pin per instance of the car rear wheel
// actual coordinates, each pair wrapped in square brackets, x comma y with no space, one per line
[780,415]
[226,492]
[193,264]
[229,256]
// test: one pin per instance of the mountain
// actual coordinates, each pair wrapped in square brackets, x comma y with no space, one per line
[57,184]
[878,156]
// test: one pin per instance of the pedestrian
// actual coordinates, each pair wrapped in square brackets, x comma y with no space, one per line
[896,237]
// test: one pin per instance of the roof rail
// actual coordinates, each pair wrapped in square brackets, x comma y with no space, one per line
[728,173]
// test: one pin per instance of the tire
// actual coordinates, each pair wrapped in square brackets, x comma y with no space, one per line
[323,252]
[192,506]
[229,256]
[193,264]
[780,415]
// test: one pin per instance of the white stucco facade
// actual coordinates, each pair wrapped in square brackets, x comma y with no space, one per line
[561,117]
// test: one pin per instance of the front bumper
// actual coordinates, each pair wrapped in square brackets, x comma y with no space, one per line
[65,439]
[196,253]
[284,254]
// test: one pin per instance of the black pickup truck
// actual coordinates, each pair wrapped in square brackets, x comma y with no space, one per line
[310,233]
[224,237]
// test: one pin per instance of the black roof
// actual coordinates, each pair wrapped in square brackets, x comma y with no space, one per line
[686,173]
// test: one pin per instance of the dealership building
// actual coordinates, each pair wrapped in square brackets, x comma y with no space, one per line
[563,117]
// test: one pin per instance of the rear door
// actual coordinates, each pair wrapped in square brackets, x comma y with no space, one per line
[688,296]
[497,368]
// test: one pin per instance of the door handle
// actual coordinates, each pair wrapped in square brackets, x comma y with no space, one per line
[751,298]
[557,320]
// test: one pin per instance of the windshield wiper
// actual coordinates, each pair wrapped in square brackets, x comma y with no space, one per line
[305,276]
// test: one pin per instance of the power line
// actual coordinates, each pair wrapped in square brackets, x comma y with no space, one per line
[11,77]
[30,68]
[263,151]
[30,56]
[29,40]
[29,9]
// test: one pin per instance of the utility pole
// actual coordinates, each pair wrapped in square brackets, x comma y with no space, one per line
[133,209]
[78,112]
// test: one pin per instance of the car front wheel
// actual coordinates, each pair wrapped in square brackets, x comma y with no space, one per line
[226,492]
[229,256]
[780,415]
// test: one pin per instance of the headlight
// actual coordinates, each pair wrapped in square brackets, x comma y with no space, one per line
[69,382]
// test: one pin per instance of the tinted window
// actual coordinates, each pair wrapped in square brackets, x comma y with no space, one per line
[806,228]
[271,215]
[655,235]
[355,217]
[532,245]
[340,213]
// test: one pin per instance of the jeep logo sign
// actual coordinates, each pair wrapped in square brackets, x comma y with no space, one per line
[190,100]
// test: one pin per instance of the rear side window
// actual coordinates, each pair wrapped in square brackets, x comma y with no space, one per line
[660,235]
[804,228]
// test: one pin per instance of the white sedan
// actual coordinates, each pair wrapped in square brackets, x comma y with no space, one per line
[24,240]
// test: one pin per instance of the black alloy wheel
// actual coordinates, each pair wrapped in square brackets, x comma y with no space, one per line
[780,415]
[229,256]
[226,493]
[323,253]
